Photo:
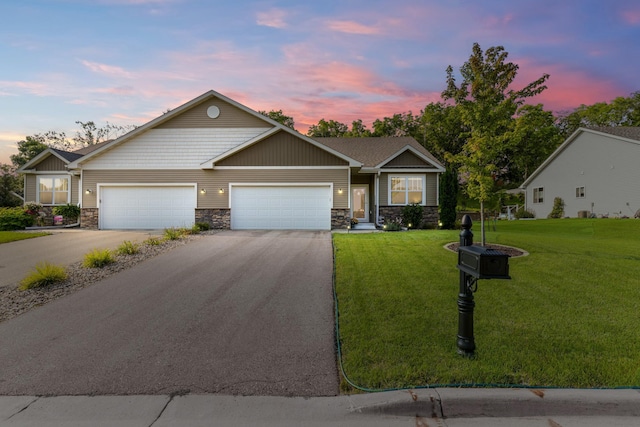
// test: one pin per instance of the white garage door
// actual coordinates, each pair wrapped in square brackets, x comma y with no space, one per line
[281,208]
[145,208]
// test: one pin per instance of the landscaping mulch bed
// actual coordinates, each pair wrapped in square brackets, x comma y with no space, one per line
[509,250]
[14,302]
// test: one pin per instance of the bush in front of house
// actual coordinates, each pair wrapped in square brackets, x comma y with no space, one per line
[45,274]
[98,258]
[202,226]
[173,233]
[393,225]
[128,248]
[69,211]
[15,219]
[558,208]
[524,213]
[412,215]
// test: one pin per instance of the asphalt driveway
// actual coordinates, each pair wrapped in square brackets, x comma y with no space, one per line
[246,313]
[62,247]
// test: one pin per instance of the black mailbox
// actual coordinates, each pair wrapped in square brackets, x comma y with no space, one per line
[483,263]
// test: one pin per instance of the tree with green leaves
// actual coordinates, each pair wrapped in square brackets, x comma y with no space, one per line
[442,131]
[619,112]
[358,130]
[10,183]
[487,106]
[449,197]
[28,148]
[329,128]
[279,117]
[400,124]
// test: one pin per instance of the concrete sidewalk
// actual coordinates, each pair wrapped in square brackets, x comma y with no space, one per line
[428,407]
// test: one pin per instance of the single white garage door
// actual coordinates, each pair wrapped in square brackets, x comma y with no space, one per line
[281,208]
[147,208]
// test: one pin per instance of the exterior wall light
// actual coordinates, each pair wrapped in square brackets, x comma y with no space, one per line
[221,191]
[340,191]
[88,191]
[203,191]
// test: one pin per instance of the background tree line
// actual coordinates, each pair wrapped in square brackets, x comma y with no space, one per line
[482,130]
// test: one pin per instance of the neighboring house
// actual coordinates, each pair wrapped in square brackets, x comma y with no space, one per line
[214,160]
[595,171]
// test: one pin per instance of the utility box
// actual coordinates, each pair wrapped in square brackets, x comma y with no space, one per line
[483,263]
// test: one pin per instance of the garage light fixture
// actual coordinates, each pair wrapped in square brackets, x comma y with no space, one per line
[340,191]
[88,191]
[203,191]
[221,191]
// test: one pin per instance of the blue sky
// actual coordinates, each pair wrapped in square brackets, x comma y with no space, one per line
[127,61]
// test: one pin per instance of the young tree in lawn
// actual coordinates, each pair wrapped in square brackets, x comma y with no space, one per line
[487,106]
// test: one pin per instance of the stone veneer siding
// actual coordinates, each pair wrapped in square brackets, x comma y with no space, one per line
[89,218]
[218,219]
[339,218]
[430,214]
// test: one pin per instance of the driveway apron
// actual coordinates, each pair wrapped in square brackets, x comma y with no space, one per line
[246,313]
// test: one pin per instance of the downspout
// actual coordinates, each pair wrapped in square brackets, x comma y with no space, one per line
[377,198]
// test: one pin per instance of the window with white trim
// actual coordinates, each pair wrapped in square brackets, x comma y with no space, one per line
[407,189]
[538,195]
[53,190]
[580,192]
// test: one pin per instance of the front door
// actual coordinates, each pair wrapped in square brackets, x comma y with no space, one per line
[360,203]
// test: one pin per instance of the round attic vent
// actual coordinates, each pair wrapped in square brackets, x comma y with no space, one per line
[213,112]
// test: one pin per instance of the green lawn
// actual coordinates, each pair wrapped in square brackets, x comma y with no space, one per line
[570,316]
[12,236]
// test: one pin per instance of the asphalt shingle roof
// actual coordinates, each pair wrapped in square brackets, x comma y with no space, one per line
[630,132]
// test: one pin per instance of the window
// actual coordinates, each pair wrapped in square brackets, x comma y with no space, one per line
[53,190]
[580,192]
[404,190]
[538,195]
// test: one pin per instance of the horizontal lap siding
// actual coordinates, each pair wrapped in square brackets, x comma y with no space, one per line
[213,180]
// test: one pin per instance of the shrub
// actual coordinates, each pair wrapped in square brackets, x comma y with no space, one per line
[558,208]
[173,233]
[393,225]
[412,215]
[45,274]
[448,198]
[67,211]
[202,226]
[524,213]
[153,241]
[98,258]
[15,219]
[128,248]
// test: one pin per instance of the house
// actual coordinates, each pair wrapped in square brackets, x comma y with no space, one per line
[214,160]
[595,172]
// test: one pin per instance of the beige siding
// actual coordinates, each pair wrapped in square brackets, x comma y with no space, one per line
[431,188]
[213,181]
[408,159]
[173,148]
[282,149]
[30,189]
[75,183]
[51,164]
[230,117]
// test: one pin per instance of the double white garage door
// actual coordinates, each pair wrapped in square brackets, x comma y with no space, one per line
[252,207]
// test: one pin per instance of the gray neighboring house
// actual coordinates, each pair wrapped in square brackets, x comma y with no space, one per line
[215,160]
[595,171]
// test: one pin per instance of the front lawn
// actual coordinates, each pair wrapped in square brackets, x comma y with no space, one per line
[570,316]
[12,236]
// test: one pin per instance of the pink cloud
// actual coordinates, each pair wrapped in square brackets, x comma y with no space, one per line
[109,70]
[631,16]
[274,18]
[352,27]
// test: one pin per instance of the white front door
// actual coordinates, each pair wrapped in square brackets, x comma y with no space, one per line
[360,202]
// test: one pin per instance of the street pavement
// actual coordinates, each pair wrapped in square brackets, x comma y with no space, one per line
[62,247]
[246,313]
[439,407]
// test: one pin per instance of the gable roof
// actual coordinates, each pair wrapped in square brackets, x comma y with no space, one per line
[623,133]
[375,152]
[186,106]
[65,156]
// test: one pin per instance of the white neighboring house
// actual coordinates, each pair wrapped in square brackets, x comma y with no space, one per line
[595,170]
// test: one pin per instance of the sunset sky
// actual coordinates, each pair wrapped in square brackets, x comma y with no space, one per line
[127,61]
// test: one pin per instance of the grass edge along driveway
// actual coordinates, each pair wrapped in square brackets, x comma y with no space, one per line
[568,318]
[14,236]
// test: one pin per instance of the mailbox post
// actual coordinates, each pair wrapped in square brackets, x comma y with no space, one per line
[474,263]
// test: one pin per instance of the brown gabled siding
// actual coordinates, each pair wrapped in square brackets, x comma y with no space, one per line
[407,159]
[51,164]
[230,117]
[213,180]
[282,149]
